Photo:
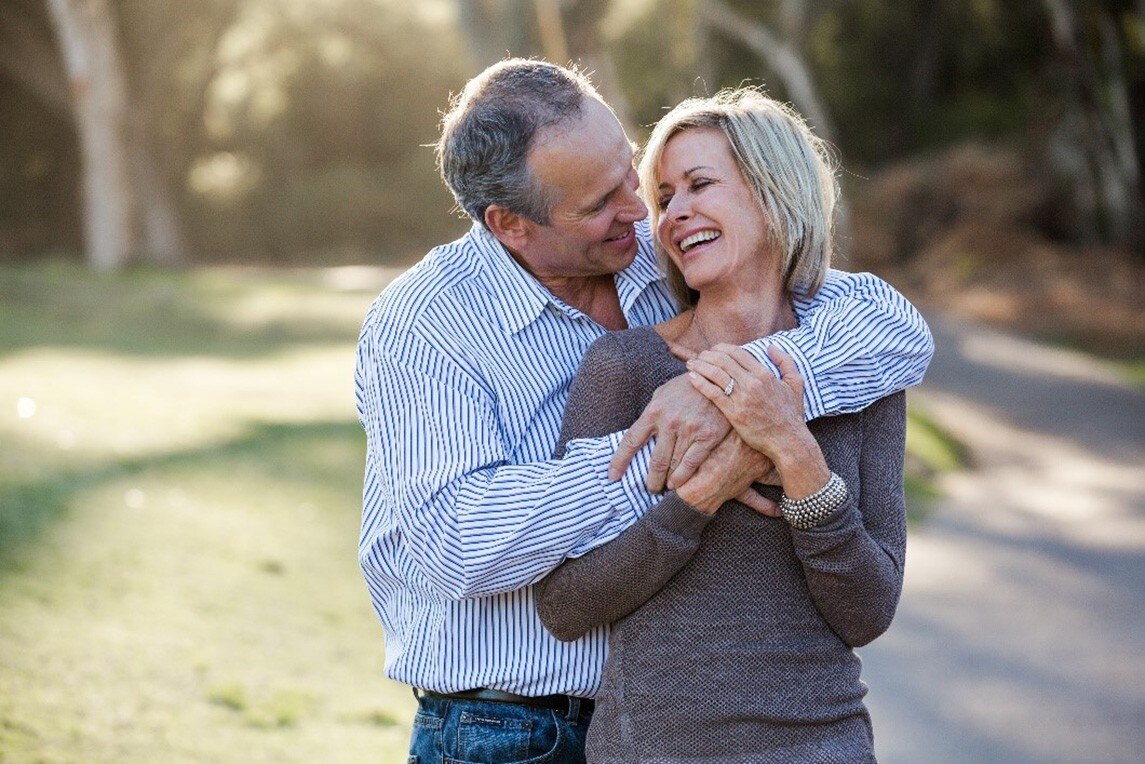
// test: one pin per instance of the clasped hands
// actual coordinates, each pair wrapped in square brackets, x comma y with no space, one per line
[711,446]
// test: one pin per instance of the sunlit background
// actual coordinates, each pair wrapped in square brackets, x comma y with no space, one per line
[198,200]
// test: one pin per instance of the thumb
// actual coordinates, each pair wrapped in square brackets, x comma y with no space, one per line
[784,362]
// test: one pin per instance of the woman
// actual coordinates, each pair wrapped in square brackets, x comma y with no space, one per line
[732,629]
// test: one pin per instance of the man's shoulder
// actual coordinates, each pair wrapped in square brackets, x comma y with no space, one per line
[432,284]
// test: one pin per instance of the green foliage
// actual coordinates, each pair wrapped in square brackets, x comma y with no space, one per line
[898,77]
[930,452]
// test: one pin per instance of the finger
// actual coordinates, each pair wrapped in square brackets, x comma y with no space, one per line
[696,454]
[783,361]
[722,360]
[660,461]
[638,434]
[788,371]
[710,390]
[760,503]
[713,372]
[771,477]
[743,359]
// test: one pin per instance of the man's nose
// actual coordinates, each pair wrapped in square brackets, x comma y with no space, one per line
[633,208]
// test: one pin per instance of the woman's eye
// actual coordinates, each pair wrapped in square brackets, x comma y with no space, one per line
[699,183]
[663,202]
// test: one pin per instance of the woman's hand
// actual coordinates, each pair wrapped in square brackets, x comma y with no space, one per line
[766,412]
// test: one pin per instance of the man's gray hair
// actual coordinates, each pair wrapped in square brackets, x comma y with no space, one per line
[486,134]
[790,170]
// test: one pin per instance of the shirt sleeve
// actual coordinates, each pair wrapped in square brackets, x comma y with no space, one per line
[439,478]
[858,340]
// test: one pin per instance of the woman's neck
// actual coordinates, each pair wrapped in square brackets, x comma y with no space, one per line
[741,318]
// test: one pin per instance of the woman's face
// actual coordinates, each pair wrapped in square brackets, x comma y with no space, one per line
[710,223]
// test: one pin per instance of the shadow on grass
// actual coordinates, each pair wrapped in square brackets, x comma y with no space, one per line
[270,450]
[168,313]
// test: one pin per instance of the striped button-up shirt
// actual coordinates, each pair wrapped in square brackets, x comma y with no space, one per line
[464,366]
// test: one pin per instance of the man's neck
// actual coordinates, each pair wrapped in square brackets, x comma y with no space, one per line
[595,296]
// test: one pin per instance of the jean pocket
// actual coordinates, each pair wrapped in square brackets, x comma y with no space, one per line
[493,739]
[425,738]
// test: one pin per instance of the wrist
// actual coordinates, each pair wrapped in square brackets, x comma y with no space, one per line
[814,509]
[801,467]
[701,501]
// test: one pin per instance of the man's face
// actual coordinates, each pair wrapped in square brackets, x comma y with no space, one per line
[585,165]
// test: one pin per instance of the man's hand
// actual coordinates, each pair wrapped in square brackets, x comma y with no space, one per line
[728,474]
[687,426]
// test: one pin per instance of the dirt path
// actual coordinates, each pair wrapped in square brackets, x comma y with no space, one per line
[1021,634]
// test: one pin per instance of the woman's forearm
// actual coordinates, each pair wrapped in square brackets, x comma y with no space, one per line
[613,580]
[854,561]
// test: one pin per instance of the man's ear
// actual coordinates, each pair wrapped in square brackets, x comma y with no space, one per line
[509,227]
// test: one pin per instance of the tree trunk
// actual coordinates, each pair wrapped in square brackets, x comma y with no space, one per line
[1107,179]
[495,29]
[159,220]
[86,33]
[586,45]
[554,42]
[786,61]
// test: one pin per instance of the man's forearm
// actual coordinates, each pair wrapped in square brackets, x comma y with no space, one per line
[858,340]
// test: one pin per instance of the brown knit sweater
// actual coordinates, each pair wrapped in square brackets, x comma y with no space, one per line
[732,634]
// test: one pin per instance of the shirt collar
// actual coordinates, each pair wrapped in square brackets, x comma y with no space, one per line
[518,298]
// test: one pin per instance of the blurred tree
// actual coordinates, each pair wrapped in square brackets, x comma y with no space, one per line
[562,31]
[782,52]
[147,222]
[1097,141]
[88,38]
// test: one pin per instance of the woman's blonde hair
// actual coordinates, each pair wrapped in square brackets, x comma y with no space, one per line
[789,169]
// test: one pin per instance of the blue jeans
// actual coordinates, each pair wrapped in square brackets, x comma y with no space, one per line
[450,731]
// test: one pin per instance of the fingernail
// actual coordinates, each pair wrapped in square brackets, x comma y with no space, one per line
[613,474]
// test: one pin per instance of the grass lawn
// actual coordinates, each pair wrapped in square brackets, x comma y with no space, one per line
[179,503]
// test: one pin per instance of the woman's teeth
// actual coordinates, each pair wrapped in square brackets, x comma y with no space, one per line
[698,238]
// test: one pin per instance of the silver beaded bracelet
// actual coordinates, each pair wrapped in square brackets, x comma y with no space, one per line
[811,510]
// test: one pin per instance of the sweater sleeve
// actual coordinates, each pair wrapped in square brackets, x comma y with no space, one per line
[615,379]
[854,562]
[615,579]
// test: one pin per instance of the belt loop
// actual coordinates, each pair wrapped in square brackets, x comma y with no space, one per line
[416,693]
[574,708]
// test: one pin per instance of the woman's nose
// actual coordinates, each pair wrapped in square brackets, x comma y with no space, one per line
[678,208]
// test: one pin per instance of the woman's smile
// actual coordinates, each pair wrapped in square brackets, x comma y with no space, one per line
[710,221]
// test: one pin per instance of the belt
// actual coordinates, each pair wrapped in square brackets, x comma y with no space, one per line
[556,702]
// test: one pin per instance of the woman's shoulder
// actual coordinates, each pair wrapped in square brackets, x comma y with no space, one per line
[627,344]
[891,406]
[626,354]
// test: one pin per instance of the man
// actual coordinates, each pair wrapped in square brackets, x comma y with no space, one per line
[463,371]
